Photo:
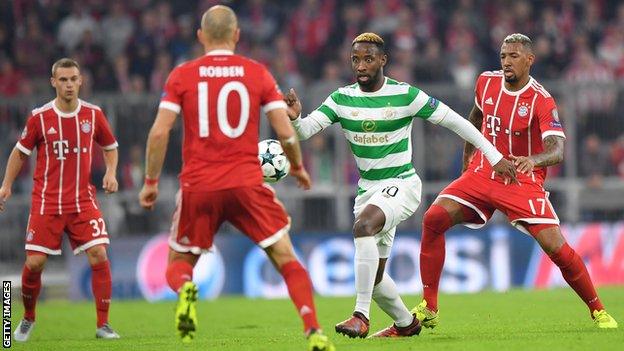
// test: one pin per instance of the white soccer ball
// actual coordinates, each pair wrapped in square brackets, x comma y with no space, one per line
[273,161]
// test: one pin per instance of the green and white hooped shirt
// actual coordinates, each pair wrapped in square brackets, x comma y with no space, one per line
[377,125]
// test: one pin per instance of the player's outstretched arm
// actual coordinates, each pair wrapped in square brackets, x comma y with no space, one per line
[109,183]
[472,135]
[476,118]
[14,165]
[157,142]
[552,155]
[286,135]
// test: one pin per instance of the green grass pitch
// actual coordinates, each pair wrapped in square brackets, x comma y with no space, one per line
[516,320]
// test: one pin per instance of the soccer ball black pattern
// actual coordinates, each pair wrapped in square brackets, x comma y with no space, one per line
[273,161]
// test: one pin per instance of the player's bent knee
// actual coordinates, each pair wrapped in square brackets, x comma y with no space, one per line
[281,252]
[97,254]
[281,257]
[182,256]
[437,219]
[548,236]
[552,246]
[36,262]
[364,227]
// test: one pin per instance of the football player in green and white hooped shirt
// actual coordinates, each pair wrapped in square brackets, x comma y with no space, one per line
[376,116]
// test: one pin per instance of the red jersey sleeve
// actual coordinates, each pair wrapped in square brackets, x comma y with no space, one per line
[31,136]
[271,94]
[171,98]
[548,117]
[103,134]
[479,86]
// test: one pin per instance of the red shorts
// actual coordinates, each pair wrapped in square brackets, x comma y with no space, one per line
[85,230]
[524,203]
[254,210]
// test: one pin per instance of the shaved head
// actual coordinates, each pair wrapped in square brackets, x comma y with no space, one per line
[219,24]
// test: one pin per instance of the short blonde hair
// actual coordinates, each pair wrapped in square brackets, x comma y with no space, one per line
[370,37]
[519,38]
[65,62]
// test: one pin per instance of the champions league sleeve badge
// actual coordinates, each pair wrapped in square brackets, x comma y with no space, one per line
[555,114]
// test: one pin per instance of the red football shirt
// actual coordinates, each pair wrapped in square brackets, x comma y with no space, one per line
[514,121]
[220,96]
[64,142]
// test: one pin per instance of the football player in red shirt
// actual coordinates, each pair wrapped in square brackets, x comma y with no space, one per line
[220,96]
[64,132]
[520,118]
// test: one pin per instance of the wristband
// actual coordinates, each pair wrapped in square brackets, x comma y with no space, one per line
[297,167]
[151,181]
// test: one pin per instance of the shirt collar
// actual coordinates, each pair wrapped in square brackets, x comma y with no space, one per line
[219,52]
[66,114]
[373,92]
[517,92]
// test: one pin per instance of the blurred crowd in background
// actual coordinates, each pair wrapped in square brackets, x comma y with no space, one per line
[130,46]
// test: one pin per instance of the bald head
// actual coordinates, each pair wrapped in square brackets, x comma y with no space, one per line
[219,24]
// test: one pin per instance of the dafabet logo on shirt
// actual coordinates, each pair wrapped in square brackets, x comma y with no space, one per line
[370,139]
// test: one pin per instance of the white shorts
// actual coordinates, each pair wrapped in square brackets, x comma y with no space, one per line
[398,199]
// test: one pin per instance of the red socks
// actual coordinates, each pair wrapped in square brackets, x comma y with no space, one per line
[575,273]
[31,286]
[435,223]
[102,288]
[100,283]
[300,291]
[178,273]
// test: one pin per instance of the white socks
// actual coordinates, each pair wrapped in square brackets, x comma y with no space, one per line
[385,293]
[366,263]
[387,298]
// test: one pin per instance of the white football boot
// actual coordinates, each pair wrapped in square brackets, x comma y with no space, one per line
[106,332]
[22,332]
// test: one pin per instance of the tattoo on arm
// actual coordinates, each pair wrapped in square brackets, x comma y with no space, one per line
[552,154]
[476,118]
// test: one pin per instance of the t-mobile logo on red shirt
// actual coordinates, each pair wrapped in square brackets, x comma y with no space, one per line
[493,124]
[61,148]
